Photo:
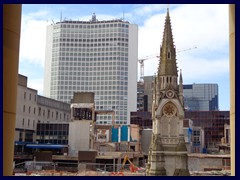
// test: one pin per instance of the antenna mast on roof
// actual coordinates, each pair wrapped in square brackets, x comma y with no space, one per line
[61,16]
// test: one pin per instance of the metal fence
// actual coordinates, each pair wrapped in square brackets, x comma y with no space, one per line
[78,169]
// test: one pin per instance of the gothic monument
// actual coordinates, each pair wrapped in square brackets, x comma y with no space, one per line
[167,152]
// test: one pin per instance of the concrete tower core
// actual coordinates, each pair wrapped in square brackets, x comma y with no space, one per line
[167,152]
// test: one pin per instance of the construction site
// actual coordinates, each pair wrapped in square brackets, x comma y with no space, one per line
[99,150]
[127,168]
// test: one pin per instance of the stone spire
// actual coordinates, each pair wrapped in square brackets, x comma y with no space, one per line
[167,70]
[167,152]
[181,89]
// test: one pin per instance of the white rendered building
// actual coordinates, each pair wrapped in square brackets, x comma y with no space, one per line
[94,56]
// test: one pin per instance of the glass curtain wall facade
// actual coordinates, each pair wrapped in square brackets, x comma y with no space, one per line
[94,56]
[201,97]
[212,123]
[54,133]
[197,97]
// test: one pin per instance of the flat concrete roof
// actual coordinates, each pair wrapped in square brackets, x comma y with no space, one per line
[201,155]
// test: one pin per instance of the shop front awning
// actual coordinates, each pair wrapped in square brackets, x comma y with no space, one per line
[46,146]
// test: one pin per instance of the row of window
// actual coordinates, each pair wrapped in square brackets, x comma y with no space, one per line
[110,122]
[108,94]
[88,26]
[91,31]
[74,78]
[70,89]
[87,59]
[52,141]
[93,45]
[76,40]
[90,51]
[119,76]
[113,68]
[42,112]
[106,85]
[87,35]
[26,122]
[29,109]
[30,96]
[76,49]
[90,71]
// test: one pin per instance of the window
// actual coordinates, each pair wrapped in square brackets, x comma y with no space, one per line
[24,95]
[30,96]
[48,115]
[28,122]
[39,111]
[23,108]
[169,55]
[33,123]
[196,133]
[29,109]
[23,122]
[20,136]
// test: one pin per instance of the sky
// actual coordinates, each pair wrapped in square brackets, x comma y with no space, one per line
[200,33]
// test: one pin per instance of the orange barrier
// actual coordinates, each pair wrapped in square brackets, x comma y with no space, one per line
[28,173]
[116,174]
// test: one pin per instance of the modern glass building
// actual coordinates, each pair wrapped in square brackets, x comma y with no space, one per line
[94,56]
[54,133]
[201,97]
[197,97]
[212,122]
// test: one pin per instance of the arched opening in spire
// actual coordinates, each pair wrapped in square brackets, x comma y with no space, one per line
[169,55]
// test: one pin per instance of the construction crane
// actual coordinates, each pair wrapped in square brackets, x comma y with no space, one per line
[186,49]
[132,167]
[141,61]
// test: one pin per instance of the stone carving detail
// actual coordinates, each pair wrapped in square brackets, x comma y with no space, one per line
[169,110]
[170,94]
[169,141]
[164,126]
[174,126]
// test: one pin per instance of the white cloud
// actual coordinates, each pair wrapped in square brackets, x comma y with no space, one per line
[203,70]
[204,26]
[33,39]
[146,9]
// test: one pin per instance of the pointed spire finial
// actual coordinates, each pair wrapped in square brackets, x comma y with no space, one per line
[180,80]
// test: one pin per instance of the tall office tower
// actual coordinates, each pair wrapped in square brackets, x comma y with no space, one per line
[94,56]
[201,97]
